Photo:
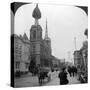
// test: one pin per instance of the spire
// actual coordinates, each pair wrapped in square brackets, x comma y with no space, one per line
[25,36]
[46,32]
[36,14]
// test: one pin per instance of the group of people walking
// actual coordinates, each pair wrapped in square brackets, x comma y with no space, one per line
[71,70]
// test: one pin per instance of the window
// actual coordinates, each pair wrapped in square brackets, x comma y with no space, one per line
[27,65]
[34,34]
[34,49]
[17,65]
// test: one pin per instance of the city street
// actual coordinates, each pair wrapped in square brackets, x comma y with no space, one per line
[72,80]
[28,80]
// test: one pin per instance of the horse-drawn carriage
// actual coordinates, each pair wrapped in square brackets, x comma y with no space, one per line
[44,75]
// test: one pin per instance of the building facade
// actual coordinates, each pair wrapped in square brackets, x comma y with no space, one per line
[78,60]
[81,57]
[40,48]
[21,53]
[84,52]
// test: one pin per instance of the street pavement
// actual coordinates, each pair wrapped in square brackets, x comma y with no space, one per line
[26,82]
[29,81]
[56,81]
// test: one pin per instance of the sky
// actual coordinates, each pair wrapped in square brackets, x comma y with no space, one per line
[64,24]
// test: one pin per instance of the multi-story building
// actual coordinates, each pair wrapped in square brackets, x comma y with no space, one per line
[81,57]
[77,58]
[21,53]
[84,52]
[25,54]
[40,48]
[17,52]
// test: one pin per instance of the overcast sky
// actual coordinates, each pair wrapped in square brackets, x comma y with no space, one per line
[64,23]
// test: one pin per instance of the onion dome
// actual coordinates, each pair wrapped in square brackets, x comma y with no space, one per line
[36,13]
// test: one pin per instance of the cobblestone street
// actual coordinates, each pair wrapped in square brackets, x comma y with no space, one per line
[72,80]
[29,81]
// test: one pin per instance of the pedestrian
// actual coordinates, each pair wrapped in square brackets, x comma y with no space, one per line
[49,75]
[75,71]
[40,77]
[63,77]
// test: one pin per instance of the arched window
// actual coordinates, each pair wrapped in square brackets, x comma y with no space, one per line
[34,34]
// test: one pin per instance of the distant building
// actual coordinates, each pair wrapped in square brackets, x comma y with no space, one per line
[40,48]
[21,53]
[77,58]
[84,52]
[81,57]
[56,63]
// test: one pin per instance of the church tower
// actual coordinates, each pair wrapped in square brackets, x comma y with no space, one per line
[47,39]
[47,43]
[36,36]
[46,32]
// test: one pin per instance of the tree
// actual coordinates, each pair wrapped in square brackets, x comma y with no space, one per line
[32,66]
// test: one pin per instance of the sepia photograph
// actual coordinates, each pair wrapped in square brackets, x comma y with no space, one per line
[49,44]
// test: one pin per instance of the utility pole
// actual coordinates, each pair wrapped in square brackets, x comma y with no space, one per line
[75,43]
[69,55]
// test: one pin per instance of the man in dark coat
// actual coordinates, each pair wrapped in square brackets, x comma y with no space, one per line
[63,77]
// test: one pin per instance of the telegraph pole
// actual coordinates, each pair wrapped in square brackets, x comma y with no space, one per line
[75,43]
[69,55]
